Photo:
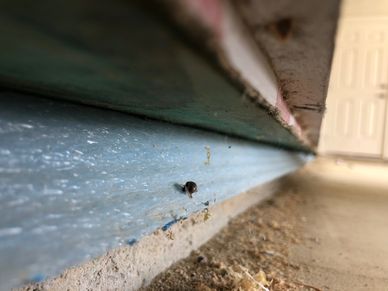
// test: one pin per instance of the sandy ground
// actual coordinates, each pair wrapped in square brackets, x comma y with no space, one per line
[327,230]
[253,249]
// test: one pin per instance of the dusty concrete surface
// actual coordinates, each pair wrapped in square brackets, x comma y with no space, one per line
[345,229]
[326,231]
[130,267]
[252,250]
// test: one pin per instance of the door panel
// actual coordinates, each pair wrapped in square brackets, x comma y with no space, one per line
[356,104]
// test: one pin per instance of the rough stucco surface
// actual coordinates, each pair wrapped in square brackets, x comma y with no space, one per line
[300,49]
[76,181]
[129,268]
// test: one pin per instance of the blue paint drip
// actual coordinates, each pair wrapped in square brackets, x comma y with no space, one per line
[169,224]
[131,242]
[172,222]
[37,278]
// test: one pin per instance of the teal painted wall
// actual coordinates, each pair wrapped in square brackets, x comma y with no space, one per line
[118,56]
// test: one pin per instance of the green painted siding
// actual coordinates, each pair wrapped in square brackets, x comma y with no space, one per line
[115,55]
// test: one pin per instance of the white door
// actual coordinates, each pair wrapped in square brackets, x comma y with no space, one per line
[355,119]
[385,150]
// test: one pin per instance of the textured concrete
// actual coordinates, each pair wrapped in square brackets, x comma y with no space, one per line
[345,226]
[298,38]
[77,181]
[343,214]
[128,268]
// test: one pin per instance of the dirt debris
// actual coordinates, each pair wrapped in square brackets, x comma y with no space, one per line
[251,253]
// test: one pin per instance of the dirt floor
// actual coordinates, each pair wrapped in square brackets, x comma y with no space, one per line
[252,251]
[327,233]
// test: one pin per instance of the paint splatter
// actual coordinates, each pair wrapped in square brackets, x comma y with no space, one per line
[131,242]
[169,224]
[208,155]
[37,278]
[10,231]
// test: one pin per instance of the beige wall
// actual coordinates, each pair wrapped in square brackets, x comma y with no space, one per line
[364,8]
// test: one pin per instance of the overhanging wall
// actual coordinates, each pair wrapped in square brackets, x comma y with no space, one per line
[117,55]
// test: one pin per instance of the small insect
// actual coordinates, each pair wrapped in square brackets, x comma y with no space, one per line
[190,187]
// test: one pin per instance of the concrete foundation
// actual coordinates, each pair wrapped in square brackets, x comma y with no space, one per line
[130,267]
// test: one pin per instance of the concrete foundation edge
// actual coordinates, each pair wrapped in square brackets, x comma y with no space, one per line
[130,267]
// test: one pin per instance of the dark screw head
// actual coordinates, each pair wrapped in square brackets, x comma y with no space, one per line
[201,259]
[190,188]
